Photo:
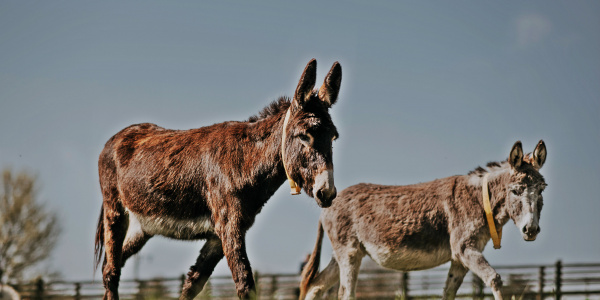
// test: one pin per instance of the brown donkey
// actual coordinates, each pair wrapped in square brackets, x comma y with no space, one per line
[421,226]
[210,183]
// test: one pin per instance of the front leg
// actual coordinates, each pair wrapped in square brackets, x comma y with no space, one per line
[233,239]
[474,260]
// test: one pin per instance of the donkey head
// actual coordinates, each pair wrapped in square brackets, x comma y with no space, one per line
[524,190]
[310,134]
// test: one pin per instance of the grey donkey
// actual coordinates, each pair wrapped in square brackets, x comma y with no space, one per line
[421,226]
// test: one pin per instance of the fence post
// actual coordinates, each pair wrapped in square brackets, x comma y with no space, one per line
[141,294]
[77,291]
[404,286]
[182,279]
[558,280]
[257,283]
[39,289]
[273,287]
[541,275]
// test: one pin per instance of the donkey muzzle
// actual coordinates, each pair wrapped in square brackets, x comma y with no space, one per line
[324,189]
[530,232]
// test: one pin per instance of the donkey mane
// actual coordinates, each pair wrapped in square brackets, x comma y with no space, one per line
[281,105]
[492,166]
[272,109]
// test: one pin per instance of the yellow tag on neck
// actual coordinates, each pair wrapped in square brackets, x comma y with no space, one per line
[487,207]
[295,189]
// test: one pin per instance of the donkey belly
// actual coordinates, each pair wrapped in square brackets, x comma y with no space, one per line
[407,259]
[180,229]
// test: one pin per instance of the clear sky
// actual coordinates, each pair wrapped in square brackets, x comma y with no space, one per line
[430,89]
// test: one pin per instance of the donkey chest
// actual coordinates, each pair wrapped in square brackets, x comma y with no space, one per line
[181,229]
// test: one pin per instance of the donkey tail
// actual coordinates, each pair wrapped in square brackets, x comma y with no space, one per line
[310,270]
[99,243]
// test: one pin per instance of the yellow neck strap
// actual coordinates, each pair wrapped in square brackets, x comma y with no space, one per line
[496,234]
[295,189]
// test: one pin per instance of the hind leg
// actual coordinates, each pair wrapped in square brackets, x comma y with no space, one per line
[210,255]
[324,281]
[135,239]
[115,227]
[132,247]
[456,274]
[349,260]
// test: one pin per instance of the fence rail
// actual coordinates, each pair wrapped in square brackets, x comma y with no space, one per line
[557,281]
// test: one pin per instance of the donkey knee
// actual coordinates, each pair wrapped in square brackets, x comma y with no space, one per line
[496,282]
[110,278]
[193,284]
[454,281]
[345,293]
[247,293]
[314,293]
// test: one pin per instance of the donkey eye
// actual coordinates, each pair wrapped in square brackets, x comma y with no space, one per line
[517,192]
[305,138]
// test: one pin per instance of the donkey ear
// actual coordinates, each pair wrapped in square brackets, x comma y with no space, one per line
[306,83]
[516,155]
[328,92]
[539,155]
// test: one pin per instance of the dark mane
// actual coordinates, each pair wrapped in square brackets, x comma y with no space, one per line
[481,171]
[272,109]
[493,164]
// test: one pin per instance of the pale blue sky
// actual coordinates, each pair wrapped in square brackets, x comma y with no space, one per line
[429,90]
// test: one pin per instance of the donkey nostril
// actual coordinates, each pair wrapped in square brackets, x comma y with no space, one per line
[538,230]
[320,194]
[524,229]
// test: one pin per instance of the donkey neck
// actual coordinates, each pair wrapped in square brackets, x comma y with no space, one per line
[498,178]
[264,149]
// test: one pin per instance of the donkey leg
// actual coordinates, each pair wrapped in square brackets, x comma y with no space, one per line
[133,246]
[474,260]
[210,255]
[135,238]
[115,224]
[234,248]
[456,274]
[324,281]
[349,265]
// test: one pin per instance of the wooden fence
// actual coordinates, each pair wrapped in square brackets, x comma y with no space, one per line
[557,281]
